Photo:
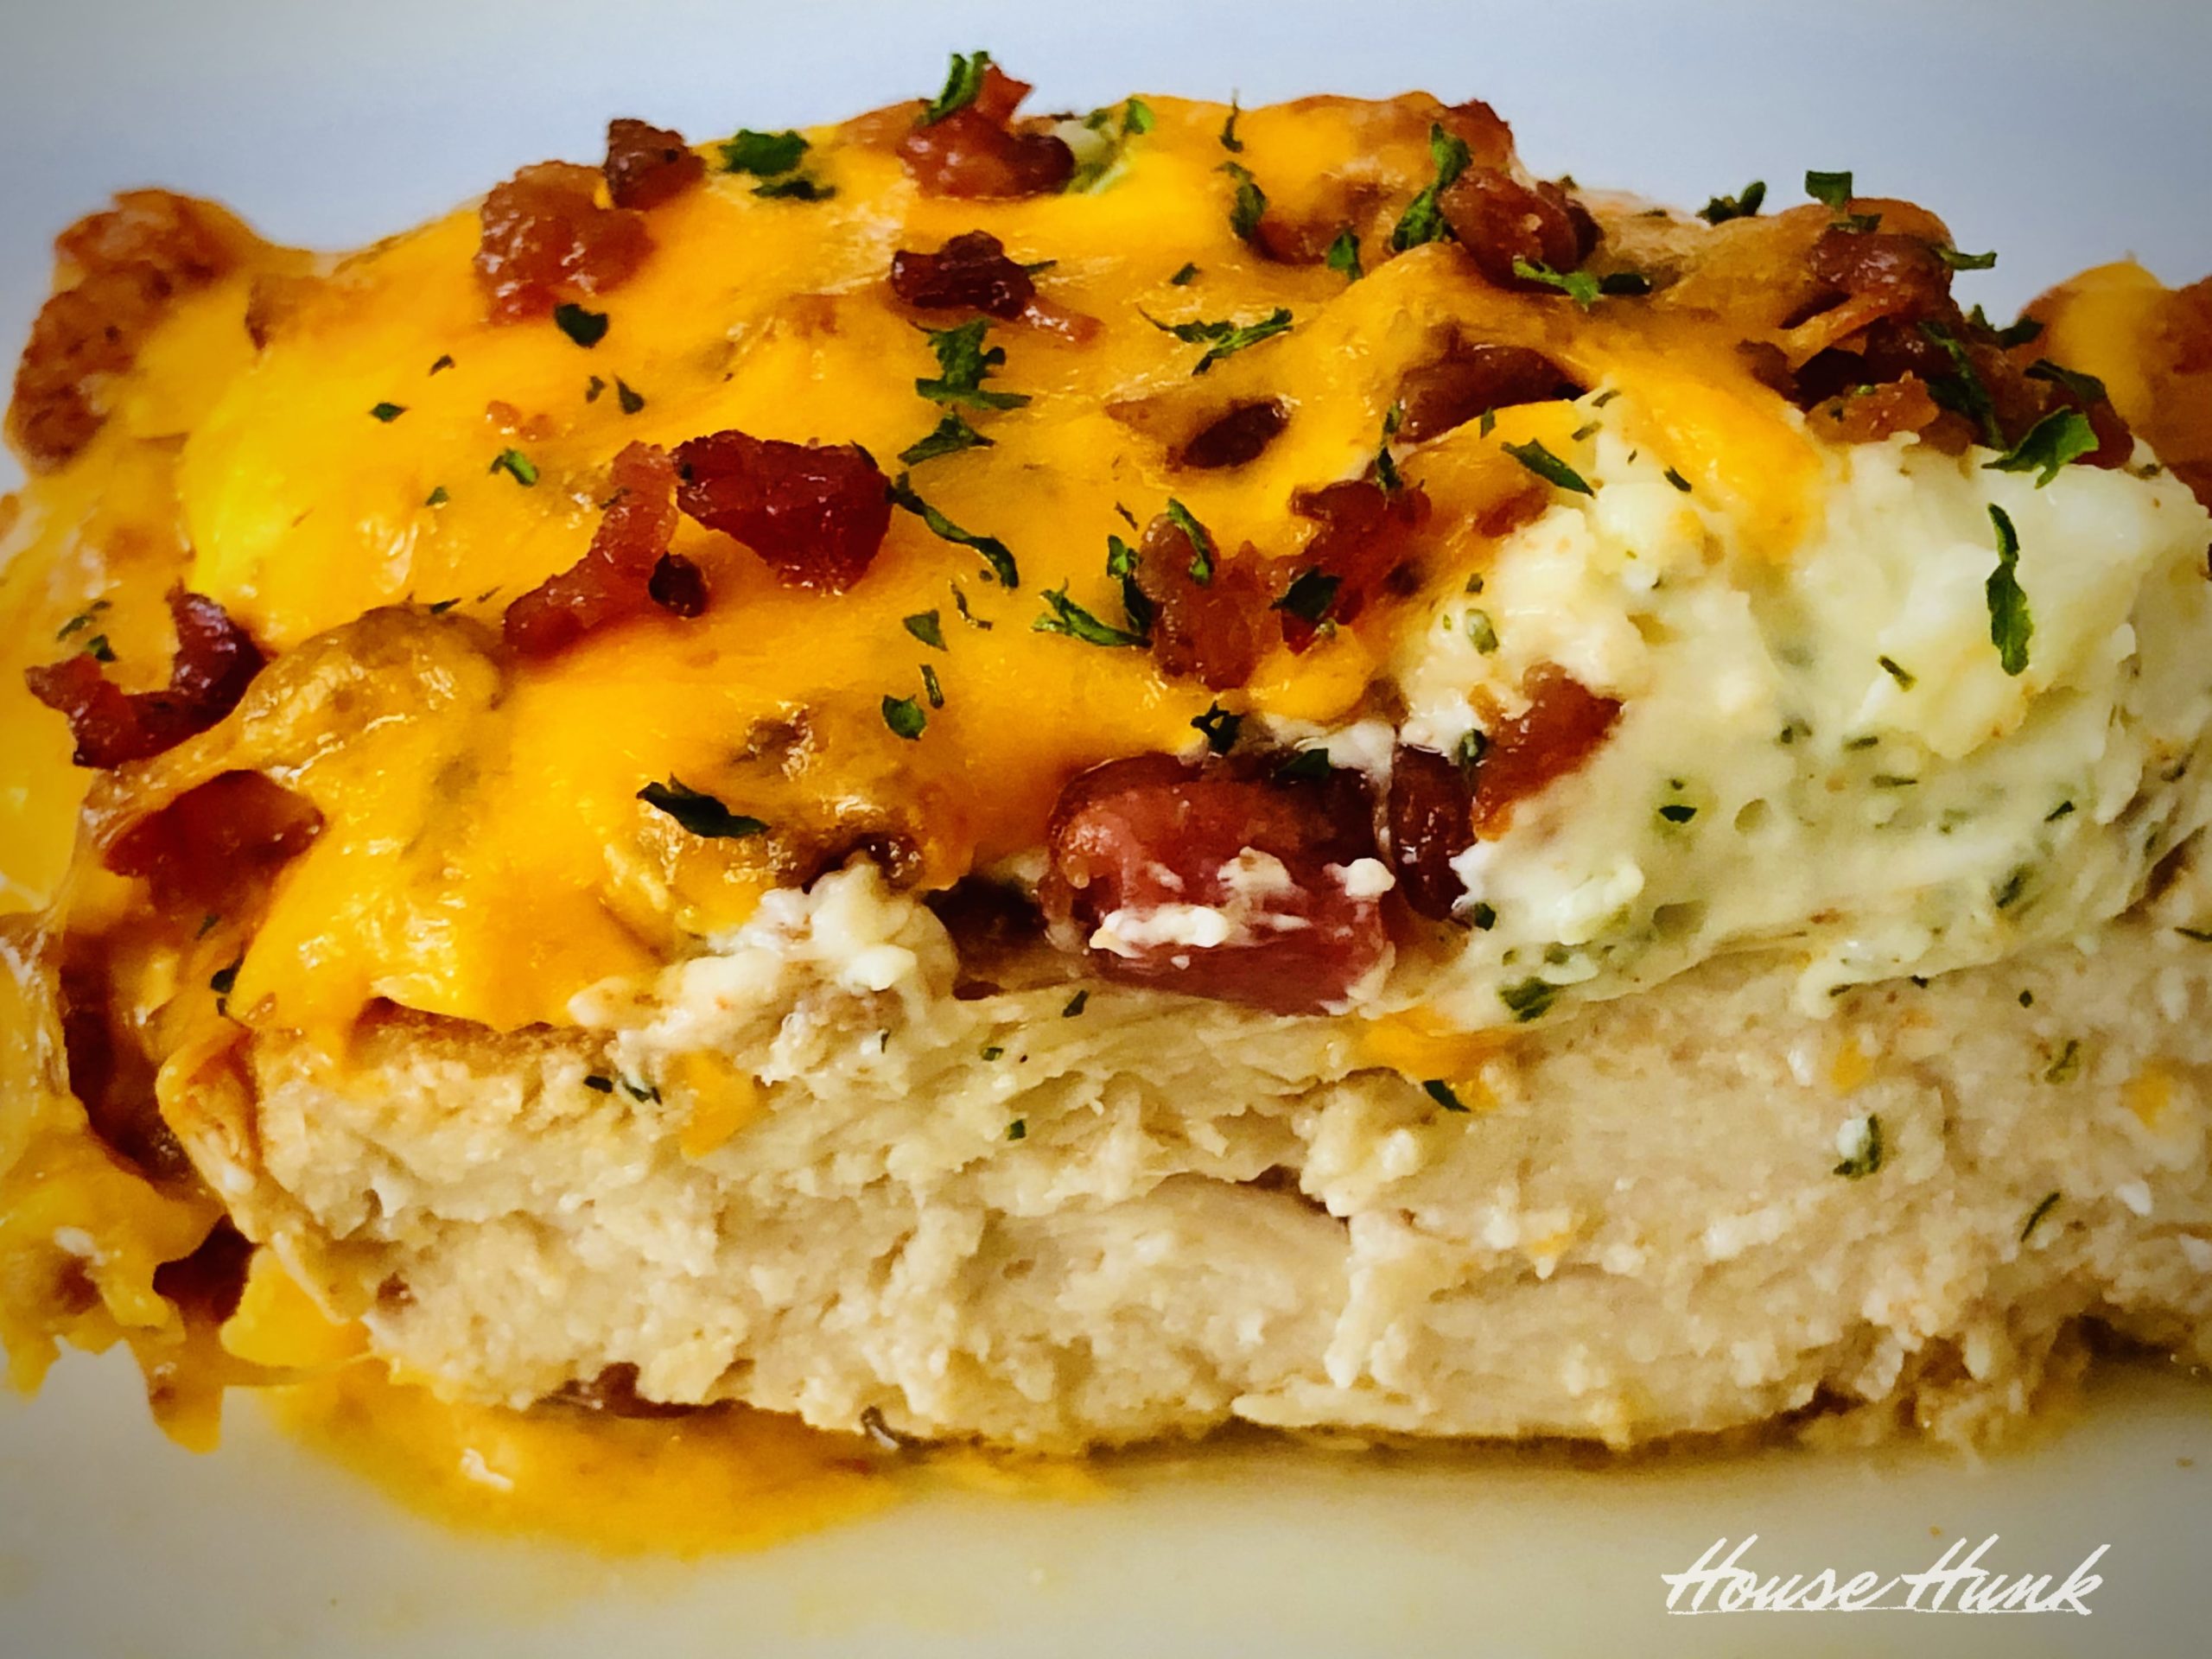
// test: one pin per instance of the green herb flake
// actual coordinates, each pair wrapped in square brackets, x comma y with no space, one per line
[437,498]
[764,155]
[1309,595]
[600,1085]
[1482,916]
[699,812]
[2087,387]
[2059,437]
[586,328]
[1963,390]
[951,436]
[1344,255]
[1833,190]
[1530,999]
[1423,220]
[2015,334]
[796,187]
[1624,284]
[1677,812]
[2010,627]
[960,604]
[630,401]
[1201,543]
[963,363]
[1868,1159]
[98,649]
[1577,285]
[387,412]
[1745,204]
[2067,1065]
[441,606]
[998,559]
[1905,677]
[904,717]
[1184,278]
[1248,205]
[1227,338]
[444,362]
[593,389]
[1305,766]
[224,980]
[1482,632]
[1230,141]
[1548,466]
[1958,261]
[516,466]
[924,625]
[1076,1005]
[1219,727]
[963,81]
[2009,891]
[82,621]
[930,689]
[1470,749]
[1444,1095]
[992,1051]
[2201,935]
[1678,480]
[1018,1130]
[2035,1216]
[1064,615]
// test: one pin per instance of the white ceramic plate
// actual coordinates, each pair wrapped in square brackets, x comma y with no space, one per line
[2061,135]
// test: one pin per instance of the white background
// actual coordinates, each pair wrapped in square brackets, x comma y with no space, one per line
[2059,134]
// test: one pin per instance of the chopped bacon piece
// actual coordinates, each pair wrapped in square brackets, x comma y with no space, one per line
[1562,728]
[976,153]
[1904,274]
[228,835]
[1488,137]
[1365,534]
[1209,632]
[546,239]
[1469,380]
[1430,815]
[815,513]
[1237,437]
[1878,412]
[970,270]
[648,165]
[678,586]
[1498,219]
[129,263]
[1216,882]
[109,1071]
[215,661]
[613,580]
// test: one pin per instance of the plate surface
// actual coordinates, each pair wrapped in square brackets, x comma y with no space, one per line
[2061,135]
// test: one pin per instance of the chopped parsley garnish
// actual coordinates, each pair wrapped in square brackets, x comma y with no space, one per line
[1386,464]
[98,649]
[2035,1216]
[2087,387]
[1065,616]
[1530,999]
[1115,127]
[992,1051]
[2062,435]
[2068,1065]
[795,188]
[600,1085]
[387,412]
[1230,141]
[1201,543]
[1305,766]
[1958,261]
[930,689]
[1482,916]
[1868,1159]
[1678,480]
[437,498]
[1423,220]
[1076,1004]
[1309,595]
[593,388]
[224,980]
[1905,677]
[1343,254]
[1678,812]
[82,621]
[1250,203]
[1122,566]
[924,625]
[1482,632]
[2010,627]
[950,435]
[1227,338]
[2063,809]
[630,401]
[1184,278]
[1019,1129]
[997,560]
[1624,284]
[2016,334]
[700,813]
[516,466]
[960,604]
[1444,1095]
[2201,935]
[586,328]
[1833,190]
[2009,891]
[441,606]
[209,924]
[1219,727]
[1963,390]
[905,717]
[963,364]
[764,155]
[443,363]
[1745,204]
[1473,744]
[961,84]
[1548,466]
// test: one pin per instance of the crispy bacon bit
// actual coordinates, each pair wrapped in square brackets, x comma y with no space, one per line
[547,239]
[229,835]
[815,513]
[1562,728]
[1488,137]
[130,262]
[215,660]
[1878,412]
[678,586]
[207,1286]
[1903,274]
[1431,819]
[1365,535]
[1237,437]
[614,579]
[1498,219]
[109,1073]
[1217,882]
[1208,632]
[648,165]
[976,153]
[971,270]
[1469,381]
